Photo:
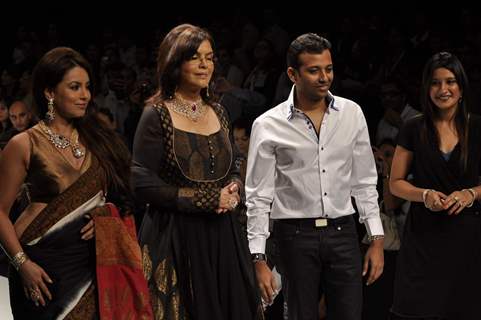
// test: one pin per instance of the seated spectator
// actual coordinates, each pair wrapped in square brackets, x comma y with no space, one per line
[21,118]
[396,110]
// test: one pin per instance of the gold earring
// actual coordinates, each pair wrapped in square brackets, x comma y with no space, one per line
[50,115]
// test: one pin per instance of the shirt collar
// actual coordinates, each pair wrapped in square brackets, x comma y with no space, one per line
[290,109]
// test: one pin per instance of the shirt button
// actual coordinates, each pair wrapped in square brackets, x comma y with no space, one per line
[322,148]
[323,170]
[325,193]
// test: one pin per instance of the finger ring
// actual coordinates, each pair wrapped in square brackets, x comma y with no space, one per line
[34,294]
[456,198]
[233,203]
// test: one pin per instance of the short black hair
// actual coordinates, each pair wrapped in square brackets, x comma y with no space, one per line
[308,42]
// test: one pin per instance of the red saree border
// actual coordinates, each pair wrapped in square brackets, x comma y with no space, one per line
[122,287]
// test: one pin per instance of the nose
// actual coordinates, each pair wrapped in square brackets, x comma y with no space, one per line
[203,62]
[322,76]
[444,87]
[85,93]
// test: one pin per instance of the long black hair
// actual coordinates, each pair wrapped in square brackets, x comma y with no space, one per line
[431,111]
[103,142]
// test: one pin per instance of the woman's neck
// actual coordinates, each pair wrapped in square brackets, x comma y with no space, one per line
[189,95]
[61,126]
[447,115]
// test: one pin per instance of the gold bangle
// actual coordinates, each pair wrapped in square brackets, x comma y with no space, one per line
[19,259]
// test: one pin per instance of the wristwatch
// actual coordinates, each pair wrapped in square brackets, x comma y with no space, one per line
[258,257]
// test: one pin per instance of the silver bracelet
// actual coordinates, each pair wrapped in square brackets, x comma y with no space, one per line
[376,237]
[19,259]
[474,194]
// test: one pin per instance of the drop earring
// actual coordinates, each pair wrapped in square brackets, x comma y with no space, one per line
[50,115]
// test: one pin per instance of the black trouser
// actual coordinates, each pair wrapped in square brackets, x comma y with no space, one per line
[321,259]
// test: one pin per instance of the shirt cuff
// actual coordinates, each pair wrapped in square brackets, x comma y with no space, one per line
[257,245]
[374,226]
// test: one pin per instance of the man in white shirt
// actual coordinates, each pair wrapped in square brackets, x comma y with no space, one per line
[307,157]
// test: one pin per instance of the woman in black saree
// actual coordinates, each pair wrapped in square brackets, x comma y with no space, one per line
[195,258]
[438,273]
[68,162]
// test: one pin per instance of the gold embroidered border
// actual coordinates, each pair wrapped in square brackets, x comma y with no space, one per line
[87,186]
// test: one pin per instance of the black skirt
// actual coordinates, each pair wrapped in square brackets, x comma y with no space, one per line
[200,267]
[439,266]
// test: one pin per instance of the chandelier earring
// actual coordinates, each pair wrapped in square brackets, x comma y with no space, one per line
[50,115]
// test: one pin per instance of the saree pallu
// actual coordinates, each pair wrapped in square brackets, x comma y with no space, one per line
[53,241]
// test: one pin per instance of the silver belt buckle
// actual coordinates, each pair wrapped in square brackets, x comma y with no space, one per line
[321,222]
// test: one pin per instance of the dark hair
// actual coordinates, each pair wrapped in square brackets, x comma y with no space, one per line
[431,112]
[308,42]
[8,124]
[104,143]
[397,82]
[387,141]
[107,113]
[243,123]
[178,46]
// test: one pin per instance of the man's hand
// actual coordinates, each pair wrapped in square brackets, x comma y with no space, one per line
[374,261]
[266,281]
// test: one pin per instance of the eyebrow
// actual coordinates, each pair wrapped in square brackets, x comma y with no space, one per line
[444,78]
[77,82]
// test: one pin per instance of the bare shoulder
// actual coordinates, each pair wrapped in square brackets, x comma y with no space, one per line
[18,149]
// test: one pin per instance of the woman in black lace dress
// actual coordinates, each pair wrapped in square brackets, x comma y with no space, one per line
[197,263]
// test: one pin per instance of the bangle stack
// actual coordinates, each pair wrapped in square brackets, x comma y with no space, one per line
[18,260]
[474,194]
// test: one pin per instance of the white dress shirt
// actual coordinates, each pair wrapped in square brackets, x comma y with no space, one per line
[293,173]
